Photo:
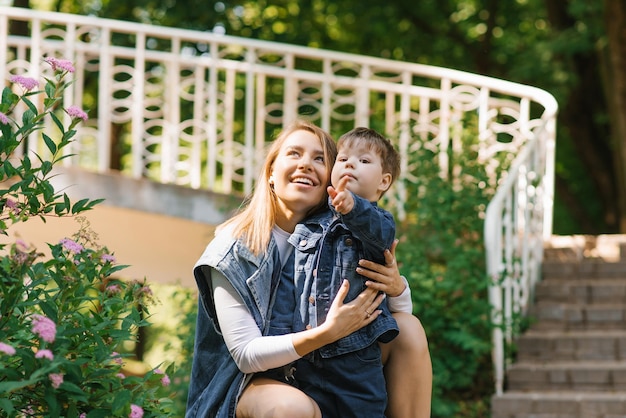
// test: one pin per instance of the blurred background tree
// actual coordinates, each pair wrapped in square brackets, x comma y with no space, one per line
[575,49]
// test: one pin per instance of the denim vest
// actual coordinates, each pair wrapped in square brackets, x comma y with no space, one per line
[328,248]
[216,381]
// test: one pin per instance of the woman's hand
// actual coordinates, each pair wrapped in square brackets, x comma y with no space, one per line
[385,278]
[342,319]
[345,318]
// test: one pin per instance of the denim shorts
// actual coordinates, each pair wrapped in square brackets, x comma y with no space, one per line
[284,374]
[351,385]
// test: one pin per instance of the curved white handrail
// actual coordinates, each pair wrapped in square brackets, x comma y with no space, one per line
[515,230]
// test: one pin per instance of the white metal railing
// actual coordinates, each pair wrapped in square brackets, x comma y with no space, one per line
[197,109]
[516,226]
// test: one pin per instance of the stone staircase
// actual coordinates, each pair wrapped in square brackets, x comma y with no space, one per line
[571,363]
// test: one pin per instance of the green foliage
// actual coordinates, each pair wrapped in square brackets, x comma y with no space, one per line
[442,255]
[63,317]
[180,346]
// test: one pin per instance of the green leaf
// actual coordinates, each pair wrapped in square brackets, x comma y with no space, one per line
[81,205]
[8,168]
[59,208]
[6,406]
[69,135]
[121,402]
[10,386]
[99,413]
[49,309]
[77,392]
[57,121]
[9,99]
[26,165]
[50,88]
[48,103]
[31,106]
[50,144]
[46,167]
[54,409]
[28,119]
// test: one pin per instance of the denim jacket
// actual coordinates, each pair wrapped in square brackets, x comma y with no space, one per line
[216,381]
[328,248]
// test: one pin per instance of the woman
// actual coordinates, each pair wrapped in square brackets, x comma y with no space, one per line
[237,277]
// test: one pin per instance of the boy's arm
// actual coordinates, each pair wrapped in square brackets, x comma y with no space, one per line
[374,227]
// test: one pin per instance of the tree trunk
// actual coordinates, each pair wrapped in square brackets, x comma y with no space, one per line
[615,21]
[579,118]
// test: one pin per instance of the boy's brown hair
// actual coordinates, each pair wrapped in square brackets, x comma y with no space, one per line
[389,157]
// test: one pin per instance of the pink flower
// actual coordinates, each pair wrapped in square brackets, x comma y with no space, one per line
[121,375]
[11,204]
[7,349]
[44,327]
[113,289]
[4,119]
[135,411]
[146,290]
[27,83]
[76,112]
[71,246]
[29,411]
[44,354]
[60,64]
[82,415]
[117,358]
[107,258]
[56,379]
[165,380]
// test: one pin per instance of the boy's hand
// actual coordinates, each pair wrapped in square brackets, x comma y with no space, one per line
[341,199]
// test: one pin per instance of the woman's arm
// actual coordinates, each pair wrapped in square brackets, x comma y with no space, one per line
[253,352]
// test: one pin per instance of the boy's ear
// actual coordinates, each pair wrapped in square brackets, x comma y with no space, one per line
[385,183]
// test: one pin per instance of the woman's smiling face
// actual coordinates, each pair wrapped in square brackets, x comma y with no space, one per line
[299,176]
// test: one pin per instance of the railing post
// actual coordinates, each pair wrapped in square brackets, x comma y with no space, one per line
[137,103]
[105,78]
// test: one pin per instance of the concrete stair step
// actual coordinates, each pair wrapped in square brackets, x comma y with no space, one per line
[571,362]
[565,346]
[559,405]
[576,316]
[583,269]
[602,376]
[583,291]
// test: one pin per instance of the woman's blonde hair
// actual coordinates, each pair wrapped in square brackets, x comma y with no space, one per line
[253,224]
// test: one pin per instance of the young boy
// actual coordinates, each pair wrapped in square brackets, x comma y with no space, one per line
[346,377]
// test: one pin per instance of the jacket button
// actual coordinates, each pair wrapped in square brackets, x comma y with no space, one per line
[302,243]
[311,300]
[349,242]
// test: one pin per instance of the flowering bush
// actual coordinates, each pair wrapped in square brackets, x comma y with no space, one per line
[63,317]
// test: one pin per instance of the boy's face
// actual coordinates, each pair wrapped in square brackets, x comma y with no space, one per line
[364,168]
